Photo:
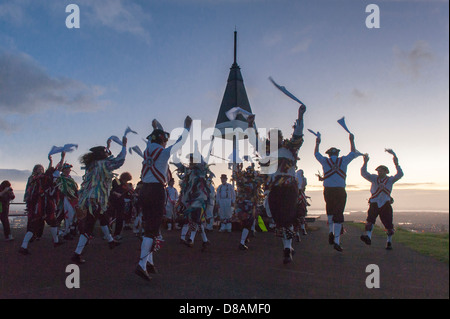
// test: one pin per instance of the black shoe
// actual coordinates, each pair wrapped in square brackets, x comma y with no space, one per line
[77,259]
[189,243]
[113,244]
[366,239]
[59,243]
[388,246]
[287,256]
[338,247]
[68,236]
[24,251]
[205,244]
[243,247]
[142,273]
[331,238]
[151,268]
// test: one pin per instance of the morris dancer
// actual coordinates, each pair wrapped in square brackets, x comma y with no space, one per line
[94,194]
[302,205]
[120,206]
[381,200]
[334,177]
[6,195]
[283,189]
[40,196]
[172,198]
[68,199]
[196,195]
[154,175]
[225,198]
[249,192]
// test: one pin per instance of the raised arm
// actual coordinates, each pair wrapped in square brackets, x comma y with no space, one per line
[399,174]
[364,173]
[116,162]
[352,143]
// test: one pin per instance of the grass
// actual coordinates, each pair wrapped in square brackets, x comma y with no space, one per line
[429,244]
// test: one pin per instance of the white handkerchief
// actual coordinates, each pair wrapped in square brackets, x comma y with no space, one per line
[285,91]
[235,111]
[116,139]
[342,123]
[67,148]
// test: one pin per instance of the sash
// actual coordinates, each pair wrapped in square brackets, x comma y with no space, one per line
[335,169]
[149,165]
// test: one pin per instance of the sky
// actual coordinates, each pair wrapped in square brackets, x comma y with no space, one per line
[133,61]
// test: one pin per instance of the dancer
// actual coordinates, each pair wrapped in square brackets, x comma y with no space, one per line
[381,201]
[94,194]
[40,199]
[6,196]
[281,184]
[120,198]
[334,177]
[225,198]
[155,170]
[68,199]
[171,197]
[209,224]
[249,192]
[302,205]
[196,195]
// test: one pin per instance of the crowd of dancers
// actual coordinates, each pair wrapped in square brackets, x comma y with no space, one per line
[275,197]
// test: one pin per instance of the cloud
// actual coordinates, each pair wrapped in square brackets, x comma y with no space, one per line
[301,46]
[12,12]
[26,88]
[119,15]
[412,62]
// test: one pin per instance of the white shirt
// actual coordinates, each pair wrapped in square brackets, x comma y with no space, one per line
[156,160]
[225,192]
[380,196]
[337,179]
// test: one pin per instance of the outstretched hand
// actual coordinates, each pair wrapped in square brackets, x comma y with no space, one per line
[366,158]
[187,122]
[301,110]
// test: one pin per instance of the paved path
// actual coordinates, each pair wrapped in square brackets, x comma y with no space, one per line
[224,272]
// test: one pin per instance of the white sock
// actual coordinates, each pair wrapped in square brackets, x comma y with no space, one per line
[150,258]
[107,234]
[369,232]
[184,231]
[54,232]
[254,225]
[330,223]
[204,238]
[287,243]
[145,251]
[244,235]
[82,241]
[193,233]
[389,238]
[26,239]
[337,232]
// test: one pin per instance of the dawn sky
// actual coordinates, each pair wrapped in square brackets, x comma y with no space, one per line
[132,61]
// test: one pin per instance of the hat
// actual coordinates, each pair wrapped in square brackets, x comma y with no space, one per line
[66,165]
[382,167]
[158,136]
[332,151]
[100,150]
[223,176]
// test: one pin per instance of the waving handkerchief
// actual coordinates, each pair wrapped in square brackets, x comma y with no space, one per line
[116,139]
[285,91]
[137,150]
[235,111]
[67,148]
[314,133]
[342,123]
[129,130]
